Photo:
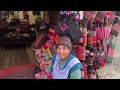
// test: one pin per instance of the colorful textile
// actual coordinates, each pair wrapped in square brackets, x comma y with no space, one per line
[43,75]
[84,30]
[111,52]
[94,37]
[51,34]
[49,52]
[90,39]
[98,33]
[57,38]
[100,16]
[84,70]
[48,44]
[87,15]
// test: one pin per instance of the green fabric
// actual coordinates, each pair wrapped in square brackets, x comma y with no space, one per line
[109,59]
[73,75]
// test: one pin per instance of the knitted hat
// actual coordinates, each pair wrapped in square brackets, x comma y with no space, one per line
[64,40]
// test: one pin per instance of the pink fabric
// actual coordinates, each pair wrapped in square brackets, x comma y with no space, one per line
[98,32]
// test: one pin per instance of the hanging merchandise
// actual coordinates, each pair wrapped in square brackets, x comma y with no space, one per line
[51,34]
[84,31]
[111,48]
[69,27]
[87,15]
[90,39]
[116,28]
[85,76]
[41,39]
[100,16]
[57,38]
[94,37]
[98,33]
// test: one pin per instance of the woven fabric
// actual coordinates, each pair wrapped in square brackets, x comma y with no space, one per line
[111,52]
[51,34]
[100,16]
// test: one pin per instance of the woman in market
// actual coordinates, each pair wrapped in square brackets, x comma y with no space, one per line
[64,65]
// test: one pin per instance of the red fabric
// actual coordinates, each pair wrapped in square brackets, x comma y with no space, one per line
[85,70]
[79,52]
[111,52]
[15,69]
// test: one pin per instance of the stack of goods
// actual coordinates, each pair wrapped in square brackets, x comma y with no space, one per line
[45,48]
[89,40]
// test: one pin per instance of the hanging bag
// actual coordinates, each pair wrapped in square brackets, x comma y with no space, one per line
[69,27]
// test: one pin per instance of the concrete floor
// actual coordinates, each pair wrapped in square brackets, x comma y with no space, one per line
[112,70]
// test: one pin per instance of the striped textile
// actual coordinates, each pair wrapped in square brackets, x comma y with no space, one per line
[48,44]
[51,34]
[111,52]
[116,29]
[94,37]
[98,33]
[87,15]
[100,16]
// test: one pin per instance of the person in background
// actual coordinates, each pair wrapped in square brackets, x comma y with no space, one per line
[64,65]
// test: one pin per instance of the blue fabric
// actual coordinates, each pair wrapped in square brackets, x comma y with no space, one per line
[77,66]
[53,59]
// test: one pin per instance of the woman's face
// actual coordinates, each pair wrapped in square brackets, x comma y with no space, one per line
[63,52]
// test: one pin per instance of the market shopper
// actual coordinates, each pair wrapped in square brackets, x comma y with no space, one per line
[64,65]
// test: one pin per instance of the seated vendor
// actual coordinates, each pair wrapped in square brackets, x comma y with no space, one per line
[64,65]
